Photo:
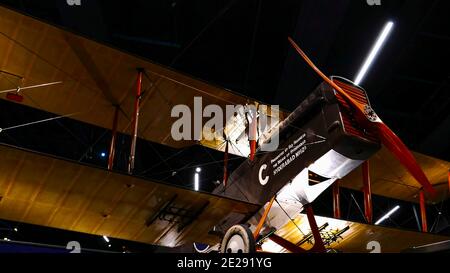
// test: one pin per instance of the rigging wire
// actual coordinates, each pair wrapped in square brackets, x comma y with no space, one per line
[252,46]
[58,122]
[37,122]
[359,208]
[92,145]
[29,87]
[292,220]
[219,161]
[161,162]
[200,165]
[16,143]
[205,28]
[32,52]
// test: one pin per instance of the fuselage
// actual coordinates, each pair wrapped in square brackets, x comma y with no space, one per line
[319,143]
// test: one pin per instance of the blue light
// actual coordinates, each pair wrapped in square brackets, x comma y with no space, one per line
[103,154]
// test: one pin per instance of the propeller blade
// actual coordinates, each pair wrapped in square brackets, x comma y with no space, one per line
[325,78]
[386,135]
[404,155]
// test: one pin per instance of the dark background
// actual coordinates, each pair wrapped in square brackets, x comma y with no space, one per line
[242,45]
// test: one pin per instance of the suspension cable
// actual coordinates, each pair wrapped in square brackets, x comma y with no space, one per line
[290,219]
[37,122]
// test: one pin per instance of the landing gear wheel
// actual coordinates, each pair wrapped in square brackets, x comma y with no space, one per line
[238,239]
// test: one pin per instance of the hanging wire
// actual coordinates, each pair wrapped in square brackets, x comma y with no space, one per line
[438,218]
[161,162]
[58,122]
[316,142]
[210,155]
[205,28]
[3,73]
[237,148]
[171,170]
[217,161]
[37,122]
[252,46]
[349,202]
[16,143]
[93,144]
[200,165]
[63,72]
[46,61]
[359,208]
[30,87]
[292,220]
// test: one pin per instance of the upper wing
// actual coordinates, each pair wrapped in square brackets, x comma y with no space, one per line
[47,191]
[95,78]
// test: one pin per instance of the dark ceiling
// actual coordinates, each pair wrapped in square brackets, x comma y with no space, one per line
[242,45]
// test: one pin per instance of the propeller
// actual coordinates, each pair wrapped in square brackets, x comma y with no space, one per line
[370,120]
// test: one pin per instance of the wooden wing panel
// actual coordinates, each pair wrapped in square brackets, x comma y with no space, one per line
[358,236]
[51,192]
[95,78]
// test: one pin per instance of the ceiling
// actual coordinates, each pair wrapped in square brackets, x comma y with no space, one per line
[242,46]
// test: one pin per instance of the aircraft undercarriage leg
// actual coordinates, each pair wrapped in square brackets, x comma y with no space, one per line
[318,243]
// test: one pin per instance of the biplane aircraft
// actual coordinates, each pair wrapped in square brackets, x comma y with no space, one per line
[326,141]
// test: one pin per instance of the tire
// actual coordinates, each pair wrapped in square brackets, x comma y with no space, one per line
[238,239]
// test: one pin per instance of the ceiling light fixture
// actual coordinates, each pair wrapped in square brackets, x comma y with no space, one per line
[374,52]
[387,215]
[196,181]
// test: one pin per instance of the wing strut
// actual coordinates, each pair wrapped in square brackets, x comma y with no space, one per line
[253,128]
[263,218]
[286,244]
[319,246]
[423,211]
[318,242]
[137,102]
[112,146]
[336,200]
[367,190]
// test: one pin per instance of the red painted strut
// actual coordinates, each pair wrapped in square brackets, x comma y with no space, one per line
[137,101]
[112,146]
[336,200]
[367,192]
[423,211]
